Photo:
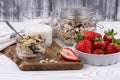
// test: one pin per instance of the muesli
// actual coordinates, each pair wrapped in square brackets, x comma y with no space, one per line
[67,32]
[30,47]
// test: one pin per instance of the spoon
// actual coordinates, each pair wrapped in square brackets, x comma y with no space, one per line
[13,28]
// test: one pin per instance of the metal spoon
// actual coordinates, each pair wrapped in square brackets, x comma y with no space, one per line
[13,28]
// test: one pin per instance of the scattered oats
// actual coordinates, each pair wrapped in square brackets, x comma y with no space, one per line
[46,59]
[53,61]
[41,61]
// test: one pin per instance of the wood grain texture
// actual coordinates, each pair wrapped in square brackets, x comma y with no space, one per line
[36,65]
[103,9]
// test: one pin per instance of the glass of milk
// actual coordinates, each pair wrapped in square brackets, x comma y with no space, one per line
[39,22]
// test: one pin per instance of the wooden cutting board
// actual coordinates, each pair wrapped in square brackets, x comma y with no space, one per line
[36,65]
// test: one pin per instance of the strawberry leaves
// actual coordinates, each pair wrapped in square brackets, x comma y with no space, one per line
[79,38]
[110,32]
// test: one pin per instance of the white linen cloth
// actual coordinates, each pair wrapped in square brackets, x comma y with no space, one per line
[8,36]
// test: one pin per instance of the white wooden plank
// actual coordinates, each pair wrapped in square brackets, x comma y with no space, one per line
[111,8]
[104,9]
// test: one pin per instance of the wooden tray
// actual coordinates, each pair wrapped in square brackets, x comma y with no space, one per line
[36,65]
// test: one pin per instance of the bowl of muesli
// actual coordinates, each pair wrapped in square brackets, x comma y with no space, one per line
[30,48]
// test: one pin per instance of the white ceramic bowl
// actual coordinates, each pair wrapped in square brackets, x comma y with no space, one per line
[97,60]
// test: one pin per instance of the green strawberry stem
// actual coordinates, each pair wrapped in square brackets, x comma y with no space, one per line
[79,37]
[116,42]
[104,50]
[98,39]
[110,32]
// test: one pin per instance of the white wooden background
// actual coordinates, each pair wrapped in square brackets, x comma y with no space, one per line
[104,9]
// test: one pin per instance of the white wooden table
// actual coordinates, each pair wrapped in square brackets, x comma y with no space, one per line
[10,71]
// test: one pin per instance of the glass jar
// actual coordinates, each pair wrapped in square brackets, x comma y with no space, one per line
[30,48]
[39,22]
[73,22]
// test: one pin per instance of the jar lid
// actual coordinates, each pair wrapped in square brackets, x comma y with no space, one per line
[81,14]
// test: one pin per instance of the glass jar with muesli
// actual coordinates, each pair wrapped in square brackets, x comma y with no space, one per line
[73,22]
[30,48]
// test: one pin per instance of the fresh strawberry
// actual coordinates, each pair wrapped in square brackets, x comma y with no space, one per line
[98,51]
[90,35]
[113,47]
[109,35]
[99,43]
[106,42]
[84,46]
[69,54]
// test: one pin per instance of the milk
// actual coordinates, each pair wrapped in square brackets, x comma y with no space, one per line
[38,28]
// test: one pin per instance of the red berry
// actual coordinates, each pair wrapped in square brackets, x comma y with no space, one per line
[90,35]
[97,34]
[84,46]
[106,42]
[69,54]
[99,43]
[109,39]
[98,51]
[87,51]
[109,35]
[112,48]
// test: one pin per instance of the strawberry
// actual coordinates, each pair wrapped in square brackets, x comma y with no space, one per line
[84,46]
[90,35]
[113,47]
[109,35]
[69,54]
[106,42]
[98,51]
[99,43]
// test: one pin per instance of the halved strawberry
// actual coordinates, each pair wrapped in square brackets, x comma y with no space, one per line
[99,43]
[113,47]
[109,35]
[69,54]
[98,51]
[84,46]
[90,35]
